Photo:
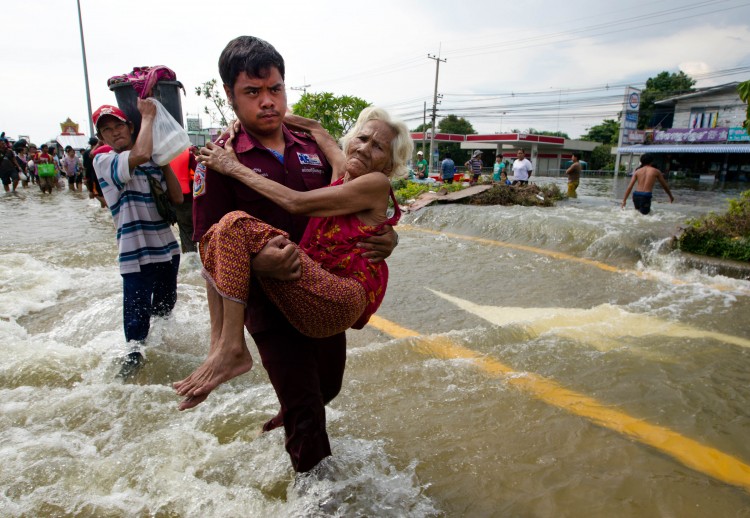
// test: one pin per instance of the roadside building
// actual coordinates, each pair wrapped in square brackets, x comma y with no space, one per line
[701,135]
[547,154]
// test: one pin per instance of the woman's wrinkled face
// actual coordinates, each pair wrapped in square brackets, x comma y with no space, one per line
[370,150]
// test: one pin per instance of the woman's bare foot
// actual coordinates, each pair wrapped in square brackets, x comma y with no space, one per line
[218,368]
[190,402]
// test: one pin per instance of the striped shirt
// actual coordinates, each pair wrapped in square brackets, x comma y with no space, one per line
[143,237]
[476,166]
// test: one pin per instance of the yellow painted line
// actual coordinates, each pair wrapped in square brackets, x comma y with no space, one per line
[525,248]
[691,453]
[556,255]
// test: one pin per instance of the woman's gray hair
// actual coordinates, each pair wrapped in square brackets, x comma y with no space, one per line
[401,145]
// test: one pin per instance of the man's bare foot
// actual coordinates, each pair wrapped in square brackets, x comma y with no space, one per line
[217,369]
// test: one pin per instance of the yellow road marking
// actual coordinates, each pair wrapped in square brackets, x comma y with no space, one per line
[558,255]
[689,452]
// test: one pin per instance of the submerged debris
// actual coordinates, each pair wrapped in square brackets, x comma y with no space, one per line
[526,195]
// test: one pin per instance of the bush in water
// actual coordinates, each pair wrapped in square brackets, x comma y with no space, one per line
[720,235]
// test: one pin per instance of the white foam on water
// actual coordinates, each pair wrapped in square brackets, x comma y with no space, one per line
[107,449]
[360,480]
[28,284]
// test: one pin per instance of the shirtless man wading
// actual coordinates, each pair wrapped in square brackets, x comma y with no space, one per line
[645,176]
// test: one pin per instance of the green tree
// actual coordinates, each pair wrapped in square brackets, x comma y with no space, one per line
[660,87]
[336,114]
[601,158]
[744,91]
[220,112]
[548,133]
[457,126]
[608,132]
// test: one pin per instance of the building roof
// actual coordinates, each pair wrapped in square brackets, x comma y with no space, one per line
[700,92]
[74,141]
[544,143]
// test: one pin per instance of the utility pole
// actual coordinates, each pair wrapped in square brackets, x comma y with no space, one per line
[85,70]
[424,126]
[434,105]
[302,88]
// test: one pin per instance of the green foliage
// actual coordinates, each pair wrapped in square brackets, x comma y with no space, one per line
[608,132]
[601,158]
[726,236]
[744,91]
[220,112]
[660,87]
[457,125]
[406,190]
[548,133]
[336,114]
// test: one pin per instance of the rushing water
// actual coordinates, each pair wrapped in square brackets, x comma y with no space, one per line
[507,311]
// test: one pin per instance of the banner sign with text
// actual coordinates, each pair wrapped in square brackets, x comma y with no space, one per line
[738,135]
[688,136]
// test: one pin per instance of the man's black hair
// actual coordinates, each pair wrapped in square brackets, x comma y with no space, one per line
[447,155]
[647,159]
[93,141]
[251,55]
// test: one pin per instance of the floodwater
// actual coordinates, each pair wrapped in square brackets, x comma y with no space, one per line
[526,362]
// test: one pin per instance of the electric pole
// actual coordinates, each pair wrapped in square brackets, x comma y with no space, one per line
[434,105]
[85,70]
[302,88]
[424,127]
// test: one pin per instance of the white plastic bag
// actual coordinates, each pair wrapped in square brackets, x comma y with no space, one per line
[22,176]
[170,139]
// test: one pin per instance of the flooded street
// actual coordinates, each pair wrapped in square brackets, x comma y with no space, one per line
[526,361]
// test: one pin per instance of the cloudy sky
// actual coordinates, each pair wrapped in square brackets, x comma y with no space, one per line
[543,64]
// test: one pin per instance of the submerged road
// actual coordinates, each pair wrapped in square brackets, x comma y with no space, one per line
[691,453]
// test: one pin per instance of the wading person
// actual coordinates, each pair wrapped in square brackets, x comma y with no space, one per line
[9,168]
[343,288]
[643,180]
[149,255]
[574,176]
[305,372]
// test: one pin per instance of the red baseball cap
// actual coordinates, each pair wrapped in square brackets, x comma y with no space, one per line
[101,149]
[108,109]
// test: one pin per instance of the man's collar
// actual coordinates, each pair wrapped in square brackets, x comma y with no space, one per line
[245,142]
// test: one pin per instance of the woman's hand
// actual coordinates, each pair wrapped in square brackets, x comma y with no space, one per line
[301,123]
[222,160]
[379,246]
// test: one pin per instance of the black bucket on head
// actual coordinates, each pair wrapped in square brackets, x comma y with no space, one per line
[166,92]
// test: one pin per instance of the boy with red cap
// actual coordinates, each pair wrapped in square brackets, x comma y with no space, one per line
[149,255]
